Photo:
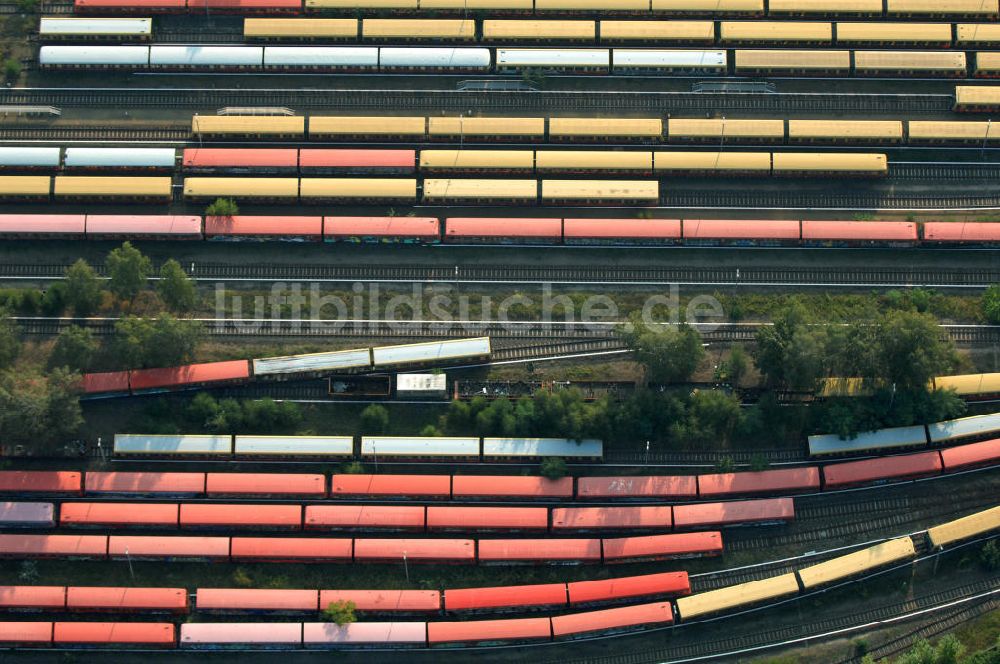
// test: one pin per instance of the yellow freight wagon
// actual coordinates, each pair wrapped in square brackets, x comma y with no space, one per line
[137,188]
[722,130]
[494,191]
[593,160]
[367,189]
[618,128]
[300,28]
[743,7]
[261,126]
[321,126]
[931,34]
[848,131]
[824,163]
[875,63]
[929,131]
[775,32]
[418,29]
[859,562]
[285,189]
[533,128]
[658,31]
[977,34]
[477,160]
[515,30]
[344,6]
[504,6]
[592,6]
[840,7]
[680,163]
[965,528]
[613,191]
[739,596]
[987,64]
[793,62]
[25,186]
[970,8]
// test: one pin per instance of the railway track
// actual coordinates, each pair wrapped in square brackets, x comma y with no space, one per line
[450,100]
[541,274]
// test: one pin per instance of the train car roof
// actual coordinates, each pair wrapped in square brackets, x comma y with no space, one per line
[477,4]
[973,32]
[235,56]
[476,518]
[889,438]
[425,486]
[927,129]
[524,486]
[845,129]
[294,445]
[488,126]
[256,599]
[825,161]
[755,6]
[54,545]
[403,188]
[385,601]
[924,60]
[208,372]
[503,597]
[562,447]
[293,484]
[734,512]
[250,226]
[413,227]
[966,527]
[739,229]
[678,545]
[157,515]
[40,481]
[242,187]
[606,127]
[419,28]
[593,159]
[742,594]
[454,550]
[463,188]
[334,56]
[656,613]
[857,562]
[652,486]
[108,633]
[667,58]
[762,481]
[711,161]
[300,27]
[214,634]
[552,57]
[541,551]
[27,513]
[25,185]
[248,124]
[601,189]
[97,383]
[700,30]
[776,30]
[71,185]
[870,470]
[144,482]
[33,597]
[29,157]
[626,517]
[977,425]
[488,631]
[241,515]
[878,32]
[320,517]
[126,599]
[859,230]
[129,443]
[645,585]
[351,157]
[94,55]
[954,7]
[725,128]
[74,224]
[825,6]
[622,228]
[241,157]
[296,549]
[483,159]
[433,56]
[592,5]
[459,227]
[121,157]
[344,125]
[969,383]
[793,59]
[365,632]
[535,29]
[143,224]
[361,4]
[328,361]
[419,445]
[54,25]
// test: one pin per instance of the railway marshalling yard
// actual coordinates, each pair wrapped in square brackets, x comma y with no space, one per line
[802,164]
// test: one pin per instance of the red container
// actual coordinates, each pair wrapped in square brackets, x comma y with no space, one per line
[415,550]
[468,229]
[741,229]
[859,231]
[265,484]
[510,486]
[292,549]
[42,225]
[244,159]
[664,584]
[190,375]
[118,515]
[662,547]
[141,226]
[357,160]
[514,598]
[986,453]
[263,517]
[118,634]
[540,551]
[264,228]
[655,486]
[126,600]
[381,229]
[230,600]
[365,517]
[384,601]
[241,635]
[101,383]
[49,598]
[783,480]
[41,481]
[874,471]
[621,229]
[962,232]
[21,634]
[612,518]
[168,548]
[145,484]
[623,618]
[487,518]
[53,546]
[735,513]
[489,632]
[375,486]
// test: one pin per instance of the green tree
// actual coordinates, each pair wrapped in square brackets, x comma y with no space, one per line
[54,299]
[158,342]
[39,411]
[10,342]
[128,271]
[340,612]
[11,69]
[175,287]
[912,350]
[990,304]
[712,417]
[791,352]
[222,207]
[669,353]
[989,555]
[430,431]
[735,368]
[75,348]
[553,468]
[83,288]
[374,419]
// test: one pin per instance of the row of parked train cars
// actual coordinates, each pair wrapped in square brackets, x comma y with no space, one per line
[671,590]
[976,9]
[466,60]
[661,33]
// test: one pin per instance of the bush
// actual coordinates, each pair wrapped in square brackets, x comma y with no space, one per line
[374,419]
[991,304]
[352,468]
[159,342]
[989,555]
[175,287]
[128,270]
[82,288]
[74,348]
[222,207]
[11,69]
[341,612]
[553,468]
[54,299]
[10,343]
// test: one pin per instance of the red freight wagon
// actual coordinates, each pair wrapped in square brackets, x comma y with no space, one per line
[140,7]
[265,484]
[118,634]
[145,484]
[515,598]
[292,549]
[190,375]
[985,453]
[510,486]
[242,227]
[134,515]
[105,383]
[662,547]
[242,160]
[540,551]
[409,486]
[365,517]
[247,6]
[240,635]
[264,517]
[121,547]
[354,161]
[611,518]
[782,480]
[953,232]
[40,481]
[382,229]
[621,619]
[487,518]
[143,226]
[415,550]
[665,487]
[874,471]
[740,231]
[664,584]
[621,231]
[735,513]
[51,598]
[385,601]
[506,230]
[53,546]
[25,633]
[27,515]
[174,600]
[394,634]
[22,226]
[859,232]
[231,600]
[488,632]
